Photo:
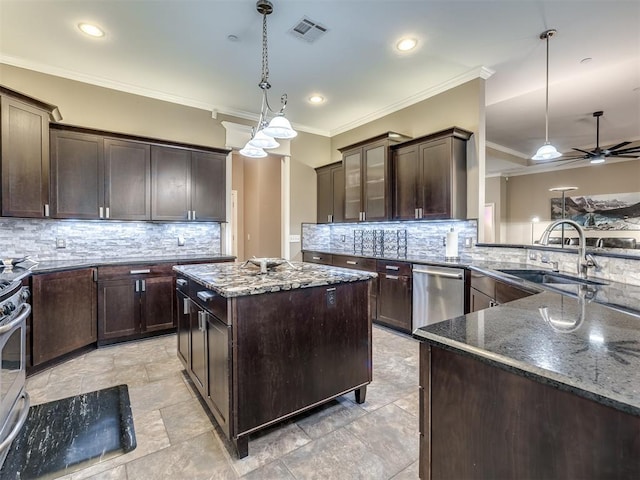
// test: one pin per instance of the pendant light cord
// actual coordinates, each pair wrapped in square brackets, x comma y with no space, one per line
[546,114]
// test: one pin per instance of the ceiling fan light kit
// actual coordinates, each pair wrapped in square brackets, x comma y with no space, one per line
[263,135]
[547,151]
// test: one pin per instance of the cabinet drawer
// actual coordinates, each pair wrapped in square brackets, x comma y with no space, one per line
[359,263]
[123,271]
[484,284]
[315,257]
[394,267]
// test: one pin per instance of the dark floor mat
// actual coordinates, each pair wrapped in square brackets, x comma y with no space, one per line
[66,435]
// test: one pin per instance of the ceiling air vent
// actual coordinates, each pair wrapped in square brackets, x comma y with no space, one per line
[308,30]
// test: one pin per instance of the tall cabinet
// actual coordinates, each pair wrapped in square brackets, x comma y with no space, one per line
[330,180]
[367,178]
[430,176]
[24,154]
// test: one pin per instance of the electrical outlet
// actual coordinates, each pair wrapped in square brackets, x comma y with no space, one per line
[331,297]
[180,241]
[533,255]
[343,238]
[61,243]
[468,241]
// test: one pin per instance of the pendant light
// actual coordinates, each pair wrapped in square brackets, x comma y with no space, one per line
[264,134]
[547,151]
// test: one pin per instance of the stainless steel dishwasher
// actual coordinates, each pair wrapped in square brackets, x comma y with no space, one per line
[438,294]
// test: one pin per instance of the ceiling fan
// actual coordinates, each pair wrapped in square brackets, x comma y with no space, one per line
[598,155]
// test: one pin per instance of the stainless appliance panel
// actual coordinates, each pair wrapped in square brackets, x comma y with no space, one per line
[438,294]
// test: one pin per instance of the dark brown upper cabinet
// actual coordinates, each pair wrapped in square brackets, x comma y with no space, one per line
[127,180]
[77,175]
[430,176]
[24,154]
[187,184]
[367,178]
[330,182]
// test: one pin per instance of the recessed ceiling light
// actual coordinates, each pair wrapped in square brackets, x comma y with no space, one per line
[91,30]
[586,60]
[406,44]
[316,99]
[232,38]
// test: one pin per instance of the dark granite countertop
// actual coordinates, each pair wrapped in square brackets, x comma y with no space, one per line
[238,279]
[58,265]
[567,342]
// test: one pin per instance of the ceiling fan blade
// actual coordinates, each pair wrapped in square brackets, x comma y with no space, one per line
[591,154]
[627,156]
[626,150]
[615,147]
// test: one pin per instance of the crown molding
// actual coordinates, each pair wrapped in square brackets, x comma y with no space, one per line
[477,72]
[510,151]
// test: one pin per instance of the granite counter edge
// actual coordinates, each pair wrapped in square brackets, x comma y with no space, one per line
[523,369]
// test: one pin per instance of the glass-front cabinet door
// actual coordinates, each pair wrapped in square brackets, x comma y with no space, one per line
[352,185]
[376,181]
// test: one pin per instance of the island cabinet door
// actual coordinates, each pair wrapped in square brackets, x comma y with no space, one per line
[199,349]
[157,309]
[294,349]
[183,321]
[218,339]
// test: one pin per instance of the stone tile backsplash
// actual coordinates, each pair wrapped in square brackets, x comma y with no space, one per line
[422,238]
[99,239]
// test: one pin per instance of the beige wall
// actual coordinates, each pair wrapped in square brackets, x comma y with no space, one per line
[303,188]
[237,184]
[496,194]
[528,195]
[262,202]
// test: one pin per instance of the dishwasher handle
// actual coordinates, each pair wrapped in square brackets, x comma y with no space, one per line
[440,274]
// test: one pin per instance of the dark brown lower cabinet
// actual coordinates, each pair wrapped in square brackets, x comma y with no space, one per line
[485,292]
[64,313]
[271,356]
[395,292]
[478,421]
[135,301]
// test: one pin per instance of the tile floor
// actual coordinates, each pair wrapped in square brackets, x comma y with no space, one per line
[176,439]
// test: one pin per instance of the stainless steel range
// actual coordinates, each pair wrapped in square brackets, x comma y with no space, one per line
[14,400]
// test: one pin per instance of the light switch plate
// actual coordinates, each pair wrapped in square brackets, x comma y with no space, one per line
[61,243]
[180,241]
[294,238]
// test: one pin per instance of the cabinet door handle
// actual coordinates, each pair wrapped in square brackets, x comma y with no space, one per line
[46,209]
[351,262]
[181,282]
[193,215]
[138,272]
[101,212]
[391,267]
[143,285]
[107,214]
[185,306]
[188,214]
[420,213]
[137,286]
[415,213]
[364,216]
[315,258]
[205,295]
[392,277]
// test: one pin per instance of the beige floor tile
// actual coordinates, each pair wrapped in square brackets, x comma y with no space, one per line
[267,445]
[409,473]
[410,403]
[328,417]
[391,433]
[185,420]
[273,471]
[338,455]
[197,458]
[160,394]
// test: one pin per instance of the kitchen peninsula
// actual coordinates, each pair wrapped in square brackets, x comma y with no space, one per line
[263,346]
[547,386]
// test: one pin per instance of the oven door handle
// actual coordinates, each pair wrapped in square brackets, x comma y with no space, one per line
[13,323]
[21,421]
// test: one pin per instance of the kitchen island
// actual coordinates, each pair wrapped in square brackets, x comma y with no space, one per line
[543,387]
[262,347]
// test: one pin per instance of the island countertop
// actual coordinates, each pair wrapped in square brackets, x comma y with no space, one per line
[239,279]
[570,343]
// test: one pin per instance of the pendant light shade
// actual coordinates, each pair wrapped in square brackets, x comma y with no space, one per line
[279,127]
[252,152]
[262,140]
[547,151]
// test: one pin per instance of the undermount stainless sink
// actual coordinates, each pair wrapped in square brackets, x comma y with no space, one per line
[545,276]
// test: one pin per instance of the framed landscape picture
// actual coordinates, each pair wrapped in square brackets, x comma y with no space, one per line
[615,211]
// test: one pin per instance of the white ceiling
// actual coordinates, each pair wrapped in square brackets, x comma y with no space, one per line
[178,50]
